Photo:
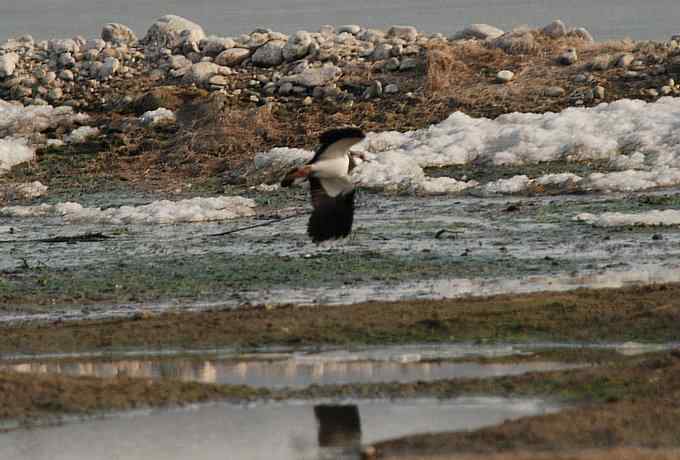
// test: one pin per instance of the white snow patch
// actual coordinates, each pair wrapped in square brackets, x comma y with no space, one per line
[81,134]
[159,212]
[160,115]
[652,129]
[14,152]
[558,179]
[443,185]
[26,190]
[17,120]
[513,185]
[618,219]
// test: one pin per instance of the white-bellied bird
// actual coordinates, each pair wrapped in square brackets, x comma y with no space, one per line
[330,185]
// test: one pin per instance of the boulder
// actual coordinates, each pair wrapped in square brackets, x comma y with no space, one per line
[297,46]
[315,76]
[8,63]
[555,29]
[270,54]
[406,33]
[232,57]
[167,31]
[479,32]
[118,34]
[213,46]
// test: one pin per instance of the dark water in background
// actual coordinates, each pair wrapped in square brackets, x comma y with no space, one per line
[652,19]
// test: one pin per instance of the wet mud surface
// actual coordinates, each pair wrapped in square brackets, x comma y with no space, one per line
[488,246]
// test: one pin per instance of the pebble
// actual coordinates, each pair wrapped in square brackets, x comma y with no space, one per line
[505,76]
[554,91]
[391,89]
[568,57]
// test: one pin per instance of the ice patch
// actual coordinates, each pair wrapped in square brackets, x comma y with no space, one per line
[159,212]
[14,152]
[618,219]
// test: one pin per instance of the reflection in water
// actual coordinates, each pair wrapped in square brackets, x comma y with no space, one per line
[339,431]
[295,371]
[294,430]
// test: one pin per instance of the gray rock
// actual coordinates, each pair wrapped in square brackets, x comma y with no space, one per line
[407,33]
[601,62]
[391,64]
[178,61]
[256,39]
[583,33]
[555,29]
[479,32]
[382,51]
[372,35]
[66,60]
[60,46]
[55,94]
[91,55]
[625,60]
[568,57]
[297,46]
[349,28]
[554,91]
[213,46]
[268,55]
[66,75]
[109,68]
[167,31]
[94,44]
[218,80]
[285,88]
[516,42]
[327,30]
[391,89]
[581,78]
[316,76]
[505,76]
[375,90]
[8,63]
[201,72]
[118,33]
[408,63]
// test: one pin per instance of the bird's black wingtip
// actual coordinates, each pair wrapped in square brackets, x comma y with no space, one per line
[334,135]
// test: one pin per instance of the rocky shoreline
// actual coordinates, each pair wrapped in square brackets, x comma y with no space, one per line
[70,91]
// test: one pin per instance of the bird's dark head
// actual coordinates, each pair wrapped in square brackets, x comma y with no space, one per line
[334,135]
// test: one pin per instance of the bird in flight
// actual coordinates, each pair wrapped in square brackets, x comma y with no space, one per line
[331,189]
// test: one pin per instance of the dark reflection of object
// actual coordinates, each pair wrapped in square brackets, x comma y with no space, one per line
[339,427]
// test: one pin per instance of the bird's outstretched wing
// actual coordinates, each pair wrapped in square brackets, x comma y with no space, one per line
[332,216]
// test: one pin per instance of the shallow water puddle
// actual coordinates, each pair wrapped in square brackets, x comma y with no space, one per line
[277,370]
[292,430]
